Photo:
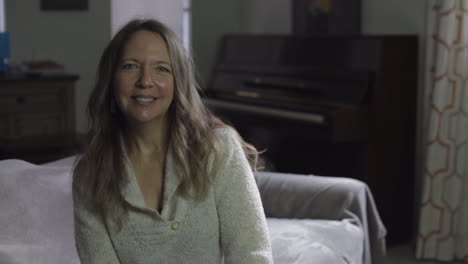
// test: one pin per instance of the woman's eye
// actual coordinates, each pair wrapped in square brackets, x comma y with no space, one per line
[162,69]
[129,66]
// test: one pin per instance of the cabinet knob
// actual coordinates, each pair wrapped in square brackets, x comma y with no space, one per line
[20,99]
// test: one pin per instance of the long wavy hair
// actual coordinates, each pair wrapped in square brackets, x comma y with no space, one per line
[99,175]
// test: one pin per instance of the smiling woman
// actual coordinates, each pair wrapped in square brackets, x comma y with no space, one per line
[161,179]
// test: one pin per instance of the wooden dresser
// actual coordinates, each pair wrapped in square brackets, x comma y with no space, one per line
[37,116]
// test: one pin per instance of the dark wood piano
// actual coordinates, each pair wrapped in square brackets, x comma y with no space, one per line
[338,106]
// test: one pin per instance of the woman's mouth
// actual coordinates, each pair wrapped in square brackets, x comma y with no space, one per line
[144,99]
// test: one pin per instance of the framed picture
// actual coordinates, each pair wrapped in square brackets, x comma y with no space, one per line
[61,5]
[326,17]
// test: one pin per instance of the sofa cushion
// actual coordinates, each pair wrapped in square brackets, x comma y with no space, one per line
[37,214]
[298,241]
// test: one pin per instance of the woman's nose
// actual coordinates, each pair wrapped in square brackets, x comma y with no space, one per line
[146,80]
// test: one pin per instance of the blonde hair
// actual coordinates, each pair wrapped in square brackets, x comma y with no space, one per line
[100,174]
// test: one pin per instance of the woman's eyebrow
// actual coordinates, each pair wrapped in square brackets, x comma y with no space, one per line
[128,59]
[162,61]
[153,62]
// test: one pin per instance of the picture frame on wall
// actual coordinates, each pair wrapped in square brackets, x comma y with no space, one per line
[326,17]
[61,5]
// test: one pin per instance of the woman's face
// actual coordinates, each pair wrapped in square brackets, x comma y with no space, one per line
[143,82]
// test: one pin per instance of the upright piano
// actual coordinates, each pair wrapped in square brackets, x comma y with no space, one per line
[338,106]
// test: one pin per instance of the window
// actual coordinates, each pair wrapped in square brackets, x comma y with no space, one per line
[186,23]
[2,16]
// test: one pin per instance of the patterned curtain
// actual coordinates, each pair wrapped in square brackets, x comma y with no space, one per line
[443,223]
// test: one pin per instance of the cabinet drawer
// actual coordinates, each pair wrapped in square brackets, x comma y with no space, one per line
[40,124]
[22,100]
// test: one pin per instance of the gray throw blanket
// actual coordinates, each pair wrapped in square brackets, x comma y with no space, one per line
[331,198]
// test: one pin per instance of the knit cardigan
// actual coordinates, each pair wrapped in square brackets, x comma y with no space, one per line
[229,225]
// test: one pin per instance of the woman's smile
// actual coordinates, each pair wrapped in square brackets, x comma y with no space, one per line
[145,99]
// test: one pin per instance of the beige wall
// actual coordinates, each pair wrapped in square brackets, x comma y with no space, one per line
[168,12]
[210,20]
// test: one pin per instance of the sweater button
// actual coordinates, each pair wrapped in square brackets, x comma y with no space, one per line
[175,225]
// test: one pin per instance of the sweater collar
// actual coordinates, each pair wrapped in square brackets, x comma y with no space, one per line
[132,192]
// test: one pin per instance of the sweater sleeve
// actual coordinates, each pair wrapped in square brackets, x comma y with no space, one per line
[243,228]
[92,240]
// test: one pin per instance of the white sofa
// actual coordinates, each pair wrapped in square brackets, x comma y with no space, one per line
[312,219]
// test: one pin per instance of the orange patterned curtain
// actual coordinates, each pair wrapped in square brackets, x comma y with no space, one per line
[443,223]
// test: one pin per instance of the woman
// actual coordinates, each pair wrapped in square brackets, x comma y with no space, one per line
[162,180]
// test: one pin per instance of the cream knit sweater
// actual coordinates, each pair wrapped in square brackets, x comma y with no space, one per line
[229,224]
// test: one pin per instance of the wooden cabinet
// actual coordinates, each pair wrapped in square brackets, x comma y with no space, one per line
[37,114]
[37,106]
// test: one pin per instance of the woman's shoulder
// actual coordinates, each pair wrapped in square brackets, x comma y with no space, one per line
[228,150]
[224,130]
[226,135]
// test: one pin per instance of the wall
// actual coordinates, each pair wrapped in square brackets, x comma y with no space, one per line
[74,39]
[266,16]
[168,12]
[393,17]
[210,20]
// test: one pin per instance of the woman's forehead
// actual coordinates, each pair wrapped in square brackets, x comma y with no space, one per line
[143,43]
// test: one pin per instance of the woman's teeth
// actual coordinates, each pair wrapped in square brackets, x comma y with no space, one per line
[144,99]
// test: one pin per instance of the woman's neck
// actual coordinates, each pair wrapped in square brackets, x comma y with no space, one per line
[147,139]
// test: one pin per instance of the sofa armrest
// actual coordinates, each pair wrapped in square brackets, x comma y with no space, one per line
[332,198]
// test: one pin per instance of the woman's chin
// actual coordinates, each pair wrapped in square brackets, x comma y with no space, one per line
[143,118]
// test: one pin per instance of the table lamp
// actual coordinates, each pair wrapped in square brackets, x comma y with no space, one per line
[4,51]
